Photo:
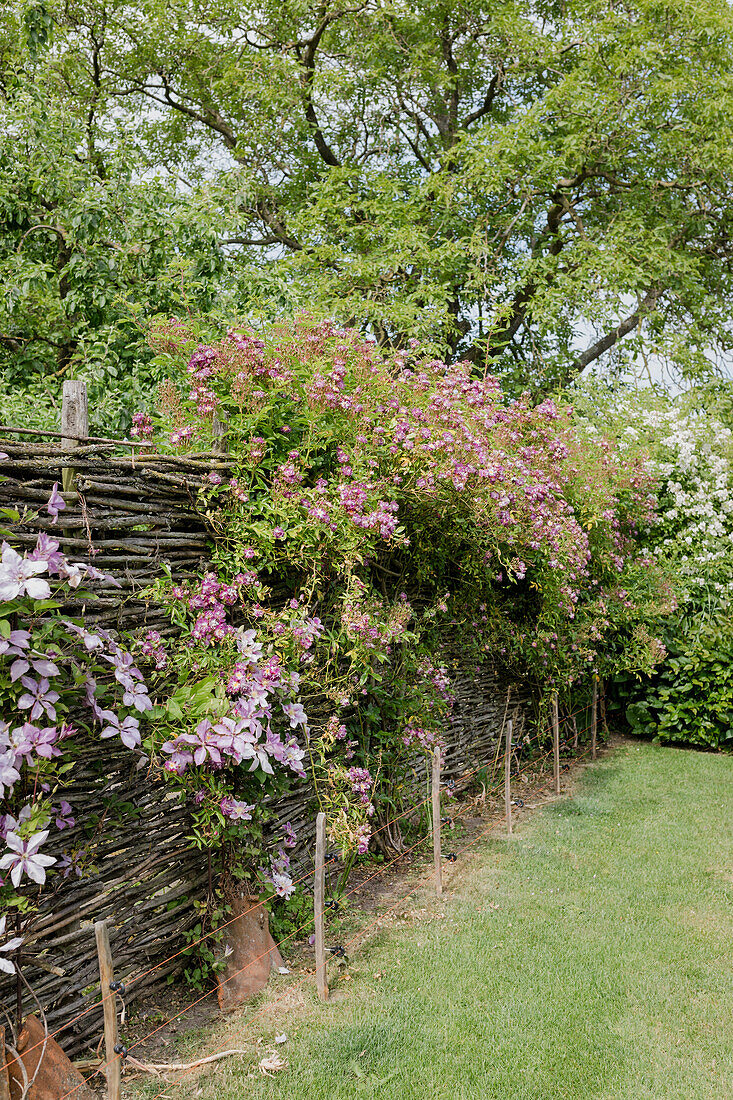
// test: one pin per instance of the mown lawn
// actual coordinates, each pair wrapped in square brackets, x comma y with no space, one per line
[589,957]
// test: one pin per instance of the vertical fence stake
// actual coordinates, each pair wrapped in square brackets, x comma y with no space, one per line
[508,777]
[4,1078]
[594,719]
[219,432]
[556,742]
[437,855]
[602,708]
[107,976]
[318,902]
[74,421]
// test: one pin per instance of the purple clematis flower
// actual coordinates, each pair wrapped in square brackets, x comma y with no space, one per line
[128,729]
[24,858]
[71,861]
[204,743]
[38,697]
[64,818]
[16,642]
[20,741]
[126,673]
[91,641]
[296,714]
[56,503]
[9,774]
[47,549]
[292,757]
[283,884]
[44,742]
[5,949]
[136,695]
[19,576]
[248,646]
[235,810]
[180,757]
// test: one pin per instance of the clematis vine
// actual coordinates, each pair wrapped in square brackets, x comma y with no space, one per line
[51,666]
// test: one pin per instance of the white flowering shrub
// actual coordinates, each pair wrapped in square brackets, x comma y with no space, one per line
[690,449]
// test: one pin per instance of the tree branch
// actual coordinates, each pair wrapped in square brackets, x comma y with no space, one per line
[248,241]
[646,306]
[273,222]
[208,117]
[488,102]
[524,294]
[34,228]
[306,54]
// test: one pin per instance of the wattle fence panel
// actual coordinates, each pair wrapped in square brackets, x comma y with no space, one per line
[135,515]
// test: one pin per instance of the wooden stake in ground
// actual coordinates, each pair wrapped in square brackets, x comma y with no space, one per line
[319,890]
[556,742]
[437,855]
[107,977]
[4,1079]
[594,719]
[508,777]
[74,422]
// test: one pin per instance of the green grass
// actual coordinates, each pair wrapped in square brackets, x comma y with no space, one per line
[589,957]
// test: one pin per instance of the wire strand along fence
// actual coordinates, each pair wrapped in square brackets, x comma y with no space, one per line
[135,515]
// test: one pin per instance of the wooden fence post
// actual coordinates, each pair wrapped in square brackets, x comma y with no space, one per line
[437,854]
[219,432]
[318,906]
[74,422]
[556,742]
[594,719]
[508,777]
[106,973]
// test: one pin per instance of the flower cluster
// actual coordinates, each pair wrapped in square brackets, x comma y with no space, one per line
[153,647]
[513,529]
[52,669]
[142,425]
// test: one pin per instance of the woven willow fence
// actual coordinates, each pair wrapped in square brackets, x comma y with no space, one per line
[131,514]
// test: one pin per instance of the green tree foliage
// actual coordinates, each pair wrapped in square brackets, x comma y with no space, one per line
[534,185]
[89,236]
[522,183]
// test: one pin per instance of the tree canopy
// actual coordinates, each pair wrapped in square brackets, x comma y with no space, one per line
[532,186]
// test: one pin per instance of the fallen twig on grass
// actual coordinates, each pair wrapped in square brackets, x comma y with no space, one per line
[164,1067]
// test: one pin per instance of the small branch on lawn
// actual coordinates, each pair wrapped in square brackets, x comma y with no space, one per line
[172,1067]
